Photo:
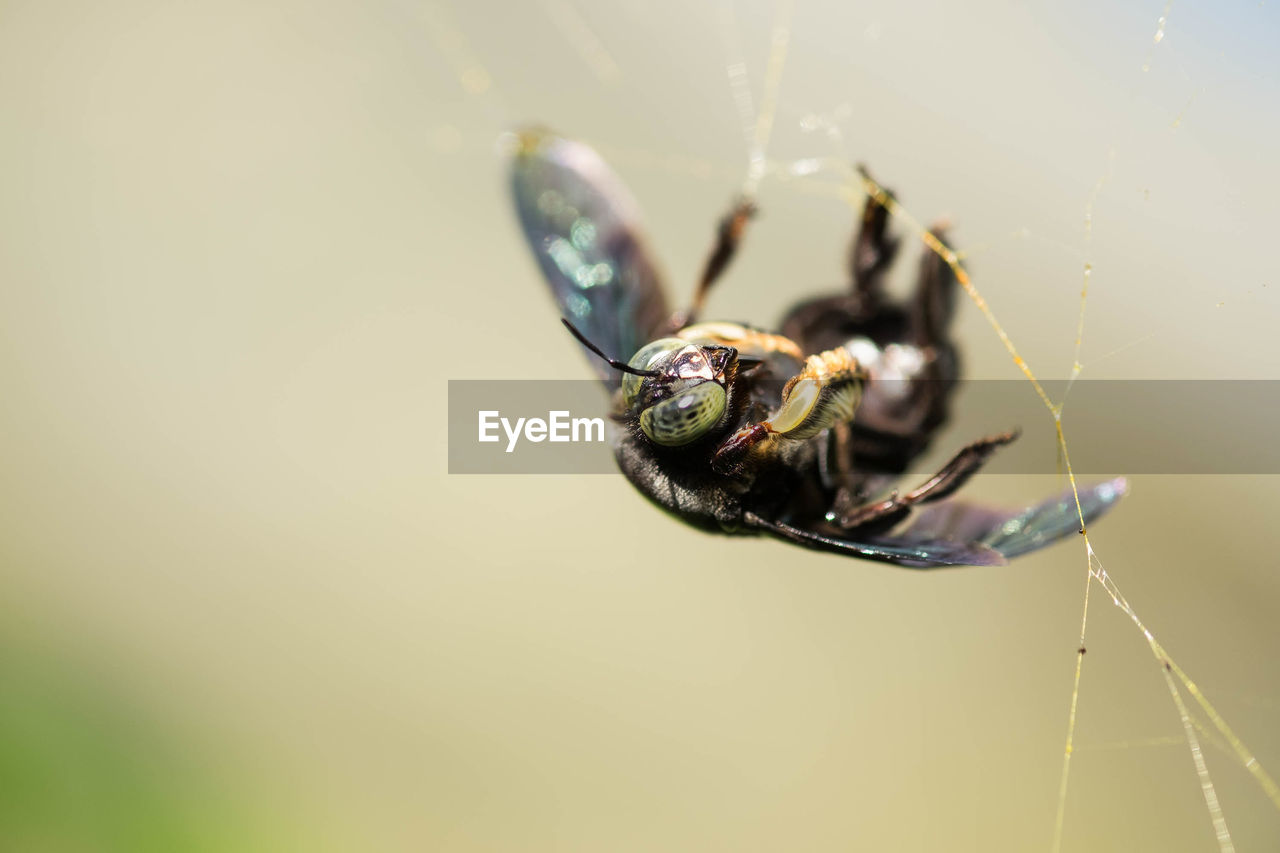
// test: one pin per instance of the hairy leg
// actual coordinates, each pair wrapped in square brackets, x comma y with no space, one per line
[728,237]
[872,250]
[883,514]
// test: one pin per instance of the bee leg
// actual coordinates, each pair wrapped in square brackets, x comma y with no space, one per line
[728,237]
[863,310]
[835,460]
[884,514]
[872,250]
[934,302]
[825,393]
[897,426]
[729,456]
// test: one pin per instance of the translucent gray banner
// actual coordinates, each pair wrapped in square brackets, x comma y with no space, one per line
[1112,426]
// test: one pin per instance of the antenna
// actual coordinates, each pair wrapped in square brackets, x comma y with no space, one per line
[613,362]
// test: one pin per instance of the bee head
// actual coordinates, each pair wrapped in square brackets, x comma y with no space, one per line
[682,393]
[677,390]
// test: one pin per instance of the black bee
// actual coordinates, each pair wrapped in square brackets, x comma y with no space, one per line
[800,434]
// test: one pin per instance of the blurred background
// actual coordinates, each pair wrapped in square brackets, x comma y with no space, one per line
[243,247]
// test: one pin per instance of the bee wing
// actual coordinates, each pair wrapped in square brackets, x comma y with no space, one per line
[956,533]
[916,552]
[583,228]
[1014,532]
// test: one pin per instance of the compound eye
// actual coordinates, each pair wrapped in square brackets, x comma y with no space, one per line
[692,363]
[685,417]
[648,357]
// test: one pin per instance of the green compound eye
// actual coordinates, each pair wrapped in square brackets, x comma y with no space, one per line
[647,358]
[684,417]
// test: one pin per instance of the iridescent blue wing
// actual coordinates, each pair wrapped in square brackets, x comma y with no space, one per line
[1014,532]
[583,228]
[956,533]
[917,553]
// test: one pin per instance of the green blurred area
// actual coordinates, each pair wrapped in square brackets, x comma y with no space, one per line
[84,768]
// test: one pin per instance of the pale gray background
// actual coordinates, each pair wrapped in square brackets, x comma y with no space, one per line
[246,244]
